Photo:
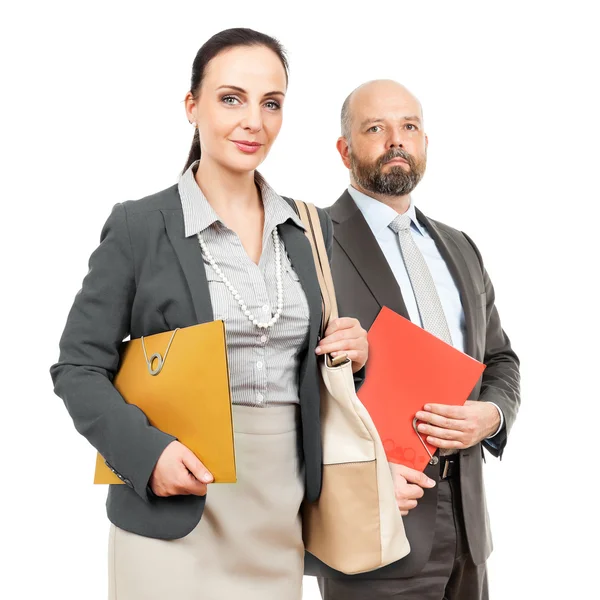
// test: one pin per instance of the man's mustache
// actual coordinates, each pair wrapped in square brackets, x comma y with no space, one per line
[396,153]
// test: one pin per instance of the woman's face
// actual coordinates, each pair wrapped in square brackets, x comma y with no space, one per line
[239,107]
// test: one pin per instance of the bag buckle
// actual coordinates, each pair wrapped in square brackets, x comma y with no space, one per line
[339,360]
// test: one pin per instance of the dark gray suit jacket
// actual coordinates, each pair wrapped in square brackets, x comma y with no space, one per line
[146,277]
[364,284]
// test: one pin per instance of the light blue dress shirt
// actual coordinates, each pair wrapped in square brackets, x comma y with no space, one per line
[379,216]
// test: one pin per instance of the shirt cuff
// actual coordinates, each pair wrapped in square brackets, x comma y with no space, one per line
[501,422]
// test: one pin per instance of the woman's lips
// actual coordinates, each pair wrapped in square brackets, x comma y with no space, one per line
[247,147]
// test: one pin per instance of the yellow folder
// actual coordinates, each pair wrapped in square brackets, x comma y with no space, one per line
[180,380]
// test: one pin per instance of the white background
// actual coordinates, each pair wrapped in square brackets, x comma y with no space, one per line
[92,115]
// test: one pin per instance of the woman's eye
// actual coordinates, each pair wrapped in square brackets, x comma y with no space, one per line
[272,105]
[230,100]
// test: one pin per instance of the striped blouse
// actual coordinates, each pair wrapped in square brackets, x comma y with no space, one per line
[263,363]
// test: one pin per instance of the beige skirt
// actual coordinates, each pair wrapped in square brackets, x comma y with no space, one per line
[248,544]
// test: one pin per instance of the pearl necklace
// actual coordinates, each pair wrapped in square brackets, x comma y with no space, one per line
[235,293]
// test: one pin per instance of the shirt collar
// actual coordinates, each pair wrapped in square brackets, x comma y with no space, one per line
[379,215]
[198,214]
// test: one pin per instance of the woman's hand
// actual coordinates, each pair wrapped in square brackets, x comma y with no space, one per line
[408,486]
[178,472]
[346,336]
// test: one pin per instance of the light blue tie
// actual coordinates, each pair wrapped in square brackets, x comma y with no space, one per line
[430,308]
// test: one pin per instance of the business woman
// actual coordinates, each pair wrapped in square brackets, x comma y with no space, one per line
[221,244]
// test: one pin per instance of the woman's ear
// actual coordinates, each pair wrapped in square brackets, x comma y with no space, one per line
[191,108]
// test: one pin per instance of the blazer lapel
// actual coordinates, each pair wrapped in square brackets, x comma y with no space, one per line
[298,248]
[356,239]
[460,273]
[190,257]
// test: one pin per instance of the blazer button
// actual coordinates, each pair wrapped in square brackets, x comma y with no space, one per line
[128,483]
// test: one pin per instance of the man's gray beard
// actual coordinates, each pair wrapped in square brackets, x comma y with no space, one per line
[396,182]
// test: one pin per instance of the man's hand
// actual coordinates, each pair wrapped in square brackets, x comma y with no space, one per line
[408,485]
[179,472]
[458,427]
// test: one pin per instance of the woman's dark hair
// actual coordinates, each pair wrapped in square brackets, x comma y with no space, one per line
[224,40]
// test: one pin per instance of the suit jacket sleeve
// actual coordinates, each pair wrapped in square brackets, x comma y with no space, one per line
[501,378]
[327,227]
[98,322]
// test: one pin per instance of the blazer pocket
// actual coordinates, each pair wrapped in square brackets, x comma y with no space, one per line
[295,300]
[482,301]
[481,307]
[290,271]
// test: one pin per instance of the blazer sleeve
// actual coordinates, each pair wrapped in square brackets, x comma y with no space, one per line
[501,378]
[327,227]
[98,322]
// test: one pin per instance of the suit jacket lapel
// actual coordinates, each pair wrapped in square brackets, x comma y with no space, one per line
[190,257]
[459,270]
[356,239]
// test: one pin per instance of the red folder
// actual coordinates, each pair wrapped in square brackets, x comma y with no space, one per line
[408,368]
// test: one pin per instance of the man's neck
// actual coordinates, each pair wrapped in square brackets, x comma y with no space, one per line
[399,203]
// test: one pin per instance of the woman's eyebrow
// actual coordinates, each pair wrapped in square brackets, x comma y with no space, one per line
[243,91]
[232,87]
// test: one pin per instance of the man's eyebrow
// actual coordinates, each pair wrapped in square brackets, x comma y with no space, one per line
[369,121]
[243,91]
[415,118]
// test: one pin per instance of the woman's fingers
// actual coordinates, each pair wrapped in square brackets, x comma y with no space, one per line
[349,328]
[343,346]
[189,485]
[179,472]
[341,323]
[195,467]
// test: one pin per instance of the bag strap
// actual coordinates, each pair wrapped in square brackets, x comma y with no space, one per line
[310,219]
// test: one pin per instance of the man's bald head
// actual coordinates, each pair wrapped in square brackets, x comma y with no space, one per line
[366,95]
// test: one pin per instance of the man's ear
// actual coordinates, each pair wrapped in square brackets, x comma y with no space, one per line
[344,149]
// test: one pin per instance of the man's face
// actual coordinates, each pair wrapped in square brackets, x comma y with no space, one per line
[387,153]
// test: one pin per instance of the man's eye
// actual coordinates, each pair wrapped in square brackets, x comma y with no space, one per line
[411,127]
[374,129]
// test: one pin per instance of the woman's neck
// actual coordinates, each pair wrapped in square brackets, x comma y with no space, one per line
[227,191]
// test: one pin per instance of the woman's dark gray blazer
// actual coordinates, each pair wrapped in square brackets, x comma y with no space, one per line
[146,277]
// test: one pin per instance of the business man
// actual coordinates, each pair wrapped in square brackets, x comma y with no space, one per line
[388,253]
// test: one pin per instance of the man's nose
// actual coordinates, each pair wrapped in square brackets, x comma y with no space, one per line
[396,139]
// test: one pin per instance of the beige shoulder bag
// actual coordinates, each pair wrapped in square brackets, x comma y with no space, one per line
[356,525]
